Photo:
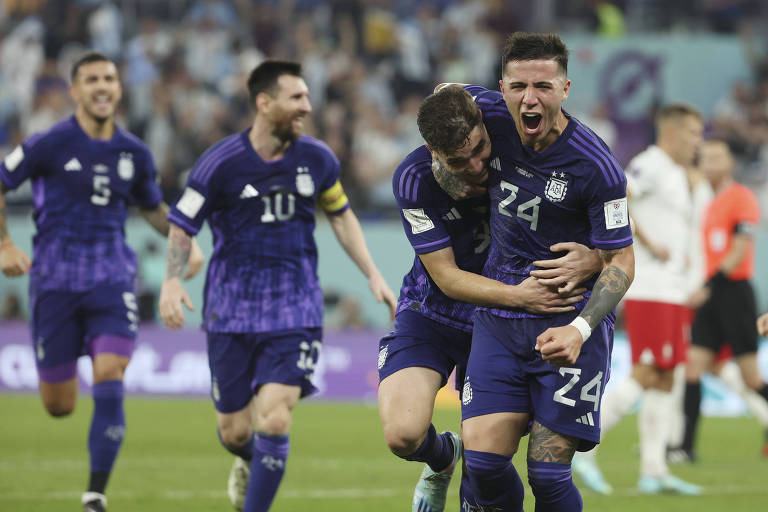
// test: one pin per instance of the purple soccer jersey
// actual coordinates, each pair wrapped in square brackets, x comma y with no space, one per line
[82,190]
[574,190]
[433,220]
[262,275]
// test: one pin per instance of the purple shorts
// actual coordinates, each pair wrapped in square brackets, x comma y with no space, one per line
[506,374]
[418,341]
[241,363]
[67,325]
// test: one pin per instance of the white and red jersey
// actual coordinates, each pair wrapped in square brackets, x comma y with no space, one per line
[661,204]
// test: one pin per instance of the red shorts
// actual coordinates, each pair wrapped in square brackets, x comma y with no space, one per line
[659,333]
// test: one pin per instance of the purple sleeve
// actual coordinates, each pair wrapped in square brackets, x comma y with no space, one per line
[608,213]
[191,209]
[146,192]
[18,165]
[423,226]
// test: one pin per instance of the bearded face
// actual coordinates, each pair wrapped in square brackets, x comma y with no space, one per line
[288,108]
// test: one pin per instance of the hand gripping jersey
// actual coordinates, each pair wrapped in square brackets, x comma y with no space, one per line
[82,190]
[262,275]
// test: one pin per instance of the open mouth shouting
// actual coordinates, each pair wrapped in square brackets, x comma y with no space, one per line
[531,123]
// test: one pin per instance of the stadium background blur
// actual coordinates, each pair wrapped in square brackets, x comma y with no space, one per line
[368,65]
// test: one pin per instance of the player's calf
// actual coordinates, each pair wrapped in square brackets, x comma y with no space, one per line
[553,487]
[494,481]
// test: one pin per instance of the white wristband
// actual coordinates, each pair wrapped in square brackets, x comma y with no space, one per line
[583,327]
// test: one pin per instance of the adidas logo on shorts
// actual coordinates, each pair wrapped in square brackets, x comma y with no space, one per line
[383,356]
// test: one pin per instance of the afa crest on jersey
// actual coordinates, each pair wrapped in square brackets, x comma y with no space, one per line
[304,184]
[125,166]
[557,186]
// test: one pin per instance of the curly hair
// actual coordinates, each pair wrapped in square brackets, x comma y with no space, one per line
[447,117]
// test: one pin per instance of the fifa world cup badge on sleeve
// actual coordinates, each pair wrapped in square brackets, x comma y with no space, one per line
[418,220]
[616,213]
[14,158]
[190,203]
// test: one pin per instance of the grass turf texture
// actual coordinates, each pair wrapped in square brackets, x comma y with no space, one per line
[171,461]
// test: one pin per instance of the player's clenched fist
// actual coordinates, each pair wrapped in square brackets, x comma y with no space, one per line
[172,295]
[560,346]
[13,261]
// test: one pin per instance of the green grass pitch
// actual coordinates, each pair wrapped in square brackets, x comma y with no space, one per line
[171,461]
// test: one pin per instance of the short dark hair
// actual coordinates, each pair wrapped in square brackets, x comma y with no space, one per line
[447,117]
[87,58]
[527,46]
[264,76]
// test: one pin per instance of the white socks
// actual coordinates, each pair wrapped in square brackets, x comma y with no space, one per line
[617,402]
[654,427]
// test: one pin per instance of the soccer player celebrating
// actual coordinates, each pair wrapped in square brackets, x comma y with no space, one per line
[263,303]
[726,303]
[433,324]
[553,179]
[85,172]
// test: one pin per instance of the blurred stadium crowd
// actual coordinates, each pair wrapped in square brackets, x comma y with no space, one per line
[368,64]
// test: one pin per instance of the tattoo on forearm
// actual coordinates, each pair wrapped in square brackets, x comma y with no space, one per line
[549,446]
[451,184]
[179,246]
[608,291]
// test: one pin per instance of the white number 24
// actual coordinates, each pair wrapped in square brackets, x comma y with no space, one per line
[586,390]
[531,204]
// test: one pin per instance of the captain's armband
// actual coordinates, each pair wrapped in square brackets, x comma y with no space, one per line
[334,199]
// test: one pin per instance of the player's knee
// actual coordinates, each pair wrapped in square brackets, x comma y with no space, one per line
[276,422]
[58,408]
[403,439]
[234,438]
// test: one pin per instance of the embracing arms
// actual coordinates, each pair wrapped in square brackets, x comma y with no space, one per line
[562,345]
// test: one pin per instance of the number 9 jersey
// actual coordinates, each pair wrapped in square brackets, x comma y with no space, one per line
[262,275]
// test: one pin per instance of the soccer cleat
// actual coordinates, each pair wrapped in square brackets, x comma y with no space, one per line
[94,502]
[431,491]
[590,475]
[667,484]
[237,483]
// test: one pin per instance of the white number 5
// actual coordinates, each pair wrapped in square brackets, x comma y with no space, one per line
[101,190]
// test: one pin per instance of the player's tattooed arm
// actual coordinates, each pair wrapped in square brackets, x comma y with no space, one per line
[179,248]
[549,446]
[157,217]
[611,285]
[172,293]
[454,185]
